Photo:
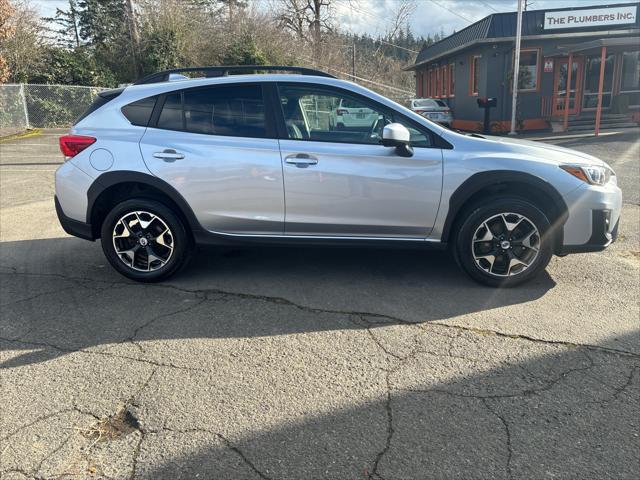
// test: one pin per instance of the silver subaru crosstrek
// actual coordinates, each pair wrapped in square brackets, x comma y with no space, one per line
[236,156]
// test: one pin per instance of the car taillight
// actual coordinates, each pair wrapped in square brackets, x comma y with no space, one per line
[420,112]
[340,111]
[71,145]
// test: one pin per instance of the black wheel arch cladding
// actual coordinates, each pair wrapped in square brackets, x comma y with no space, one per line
[495,178]
[111,179]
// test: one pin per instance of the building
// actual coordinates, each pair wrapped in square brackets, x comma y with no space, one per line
[478,62]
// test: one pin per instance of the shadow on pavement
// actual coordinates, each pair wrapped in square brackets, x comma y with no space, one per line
[60,295]
[510,411]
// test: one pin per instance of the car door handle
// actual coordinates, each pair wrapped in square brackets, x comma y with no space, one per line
[168,155]
[301,160]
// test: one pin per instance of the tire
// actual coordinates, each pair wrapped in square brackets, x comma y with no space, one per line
[503,242]
[154,246]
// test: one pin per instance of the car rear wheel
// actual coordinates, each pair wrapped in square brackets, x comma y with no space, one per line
[144,240]
[504,242]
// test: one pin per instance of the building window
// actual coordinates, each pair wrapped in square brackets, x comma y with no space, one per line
[423,84]
[452,79]
[475,74]
[427,84]
[592,81]
[419,84]
[630,77]
[432,91]
[445,81]
[438,82]
[529,68]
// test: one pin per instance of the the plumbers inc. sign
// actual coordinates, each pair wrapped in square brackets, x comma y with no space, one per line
[595,17]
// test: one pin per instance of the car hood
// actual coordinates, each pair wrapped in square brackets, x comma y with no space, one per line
[542,151]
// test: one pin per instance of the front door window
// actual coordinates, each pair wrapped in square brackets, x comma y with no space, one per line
[560,86]
[335,116]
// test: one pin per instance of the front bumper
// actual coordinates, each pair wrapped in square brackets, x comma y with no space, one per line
[602,234]
[594,218]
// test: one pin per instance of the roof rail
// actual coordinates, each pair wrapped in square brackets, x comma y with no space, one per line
[224,70]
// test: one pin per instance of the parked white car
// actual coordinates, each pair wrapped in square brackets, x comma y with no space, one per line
[352,114]
[434,109]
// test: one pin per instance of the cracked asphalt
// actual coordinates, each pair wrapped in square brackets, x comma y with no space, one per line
[280,363]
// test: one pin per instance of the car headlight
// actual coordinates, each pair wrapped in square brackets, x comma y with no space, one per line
[591,174]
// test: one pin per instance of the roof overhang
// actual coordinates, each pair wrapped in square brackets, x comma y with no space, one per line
[634,32]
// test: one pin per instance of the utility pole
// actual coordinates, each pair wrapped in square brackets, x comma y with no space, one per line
[516,70]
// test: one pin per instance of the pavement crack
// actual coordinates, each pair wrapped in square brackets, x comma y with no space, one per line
[383,318]
[507,431]
[622,389]
[481,331]
[137,330]
[241,454]
[136,454]
[36,421]
[374,475]
[227,443]
[524,393]
[102,353]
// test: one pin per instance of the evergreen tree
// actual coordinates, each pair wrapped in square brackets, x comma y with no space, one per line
[67,33]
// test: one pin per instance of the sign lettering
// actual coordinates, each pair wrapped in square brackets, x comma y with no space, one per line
[595,17]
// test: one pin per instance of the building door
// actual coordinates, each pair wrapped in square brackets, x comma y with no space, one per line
[560,86]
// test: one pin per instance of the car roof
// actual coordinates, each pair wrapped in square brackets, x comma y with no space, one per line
[160,87]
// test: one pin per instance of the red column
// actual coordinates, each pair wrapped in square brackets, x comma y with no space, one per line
[603,57]
[567,98]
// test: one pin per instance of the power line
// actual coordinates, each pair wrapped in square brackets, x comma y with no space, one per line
[397,46]
[452,11]
[489,5]
[369,14]
[362,79]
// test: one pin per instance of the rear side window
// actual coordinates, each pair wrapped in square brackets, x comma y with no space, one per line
[139,112]
[235,111]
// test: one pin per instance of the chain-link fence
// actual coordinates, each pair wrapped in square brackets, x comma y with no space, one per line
[24,106]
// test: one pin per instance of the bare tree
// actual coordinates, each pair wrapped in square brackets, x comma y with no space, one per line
[307,19]
[400,17]
[21,43]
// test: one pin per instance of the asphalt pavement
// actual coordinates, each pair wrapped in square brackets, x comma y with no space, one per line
[314,363]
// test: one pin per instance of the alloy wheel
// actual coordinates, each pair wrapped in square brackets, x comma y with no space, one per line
[505,244]
[143,241]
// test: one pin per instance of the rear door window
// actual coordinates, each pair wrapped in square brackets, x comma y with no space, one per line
[171,115]
[234,110]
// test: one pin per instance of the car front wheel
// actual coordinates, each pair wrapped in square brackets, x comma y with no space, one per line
[144,240]
[504,242]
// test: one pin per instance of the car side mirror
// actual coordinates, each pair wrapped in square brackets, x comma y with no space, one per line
[396,135]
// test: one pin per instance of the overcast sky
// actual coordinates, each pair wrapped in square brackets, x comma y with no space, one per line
[430,17]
